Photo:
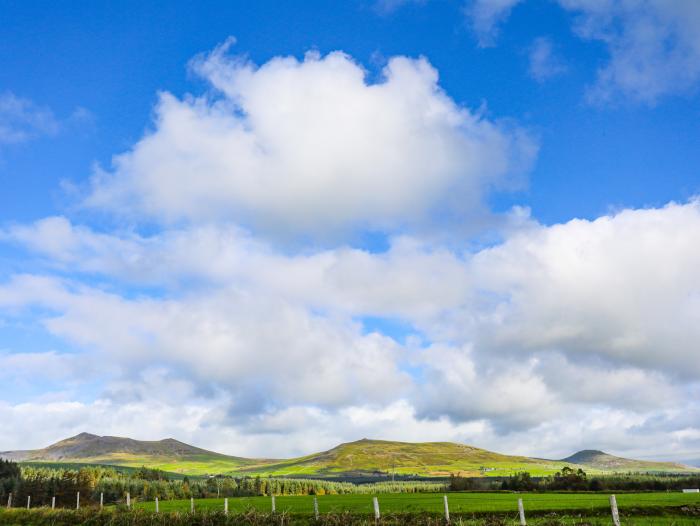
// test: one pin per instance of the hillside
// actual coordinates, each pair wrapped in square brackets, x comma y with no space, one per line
[428,459]
[592,458]
[168,454]
[361,458]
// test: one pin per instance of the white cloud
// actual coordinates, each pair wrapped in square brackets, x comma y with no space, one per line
[265,350]
[584,317]
[22,120]
[205,422]
[544,62]
[411,279]
[583,331]
[485,17]
[653,45]
[311,148]
[624,287]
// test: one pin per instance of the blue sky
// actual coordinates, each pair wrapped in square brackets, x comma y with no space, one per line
[448,207]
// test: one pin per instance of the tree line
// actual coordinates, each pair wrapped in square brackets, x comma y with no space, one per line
[569,479]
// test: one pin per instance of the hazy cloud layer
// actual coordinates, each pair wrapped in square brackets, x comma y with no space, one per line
[22,120]
[544,61]
[554,321]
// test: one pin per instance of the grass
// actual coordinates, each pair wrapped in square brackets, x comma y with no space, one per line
[93,517]
[459,503]
[467,509]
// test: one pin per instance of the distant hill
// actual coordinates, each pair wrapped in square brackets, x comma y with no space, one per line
[593,458]
[85,445]
[361,458]
[168,454]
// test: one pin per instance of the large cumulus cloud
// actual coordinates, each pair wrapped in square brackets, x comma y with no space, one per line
[311,147]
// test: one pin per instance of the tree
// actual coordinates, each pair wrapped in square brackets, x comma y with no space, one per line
[567,478]
[519,482]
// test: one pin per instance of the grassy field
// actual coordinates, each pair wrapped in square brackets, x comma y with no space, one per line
[462,503]
[121,517]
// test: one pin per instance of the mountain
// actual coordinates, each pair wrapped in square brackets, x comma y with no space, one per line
[593,458]
[360,458]
[168,454]
[428,459]
[87,446]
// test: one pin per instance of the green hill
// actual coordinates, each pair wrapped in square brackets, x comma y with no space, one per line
[365,457]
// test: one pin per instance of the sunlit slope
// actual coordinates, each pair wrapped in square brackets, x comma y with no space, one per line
[427,459]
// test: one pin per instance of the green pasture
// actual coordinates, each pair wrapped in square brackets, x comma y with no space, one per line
[459,503]
[121,517]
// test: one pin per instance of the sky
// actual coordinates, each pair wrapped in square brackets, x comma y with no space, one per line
[268,227]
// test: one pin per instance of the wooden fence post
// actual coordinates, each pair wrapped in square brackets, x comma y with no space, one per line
[102,499]
[375,502]
[29,501]
[77,501]
[157,510]
[315,507]
[128,500]
[53,502]
[9,500]
[447,509]
[521,512]
[226,506]
[613,509]
[191,504]
[274,507]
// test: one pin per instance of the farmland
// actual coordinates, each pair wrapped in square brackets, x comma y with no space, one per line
[44,517]
[459,503]
[477,509]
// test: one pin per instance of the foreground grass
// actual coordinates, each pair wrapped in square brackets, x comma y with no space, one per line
[466,509]
[120,517]
[464,503]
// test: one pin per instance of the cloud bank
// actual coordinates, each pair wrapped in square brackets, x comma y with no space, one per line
[580,334]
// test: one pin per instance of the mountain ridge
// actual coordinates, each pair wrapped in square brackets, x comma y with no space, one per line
[361,457]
